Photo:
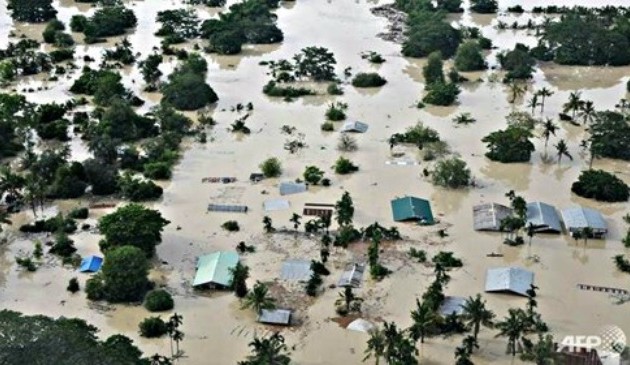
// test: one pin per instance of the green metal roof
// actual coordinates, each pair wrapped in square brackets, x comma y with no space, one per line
[412,208]
[215,268]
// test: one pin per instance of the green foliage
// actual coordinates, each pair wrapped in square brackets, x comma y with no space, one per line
[334,89]
[469,57]
[441,94]
[368,79]
[79,213]
[447,260]
[419,255]
[610,135]
[122,52]
[288,92]
[124,275]
[62,341]
[153,327]
[417,134]
[267,351]
[484,6]
[427,33]
[328,127]
[51,30]
[313,283]
[313,175]
[178,25]
[106,21]
[271,167]
[27,263]
[137,190]
[103,177]
[601,185]
[347,143]
[240,274]
[315,63]
[132,225]
[336,111]
[231,226]
[344,166]
[622,263]
[63,245]
[509,145]
[186,89]
[73,286]
[432,71]
[158,300]
[451,6]
[150,71]
[34,11]
[53,224]
[518,62]
[451,173]
[104,85]
[344,210]
[373,57]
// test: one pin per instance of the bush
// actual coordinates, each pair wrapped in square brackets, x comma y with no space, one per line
[451,173]
[73,285]
[79,213]
[509,145]
[51,30]
[328,127]
[344,166]
[601,185]
[157,170]
[95,288]
[371,79]
[441,94]
[484,6]
[312,175]
[153,327]
[334,89]
[63,245]
[231,226]
[288,92]
[336,112]
[347,143]
[188,91]
[271,167]
[469,57]
[158,300]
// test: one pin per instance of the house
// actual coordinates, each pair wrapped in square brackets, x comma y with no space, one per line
[361,325]
[281,317]
[411,208]
[543,217]
[578,355]
[452,305]
[275,204]
[488,216]
[318,210]
[578,218]
[215,269]
[509,280]
[256,177]
[356,127]
[227,208]
[289,187]
[91,264]
[353,276]
[296,270]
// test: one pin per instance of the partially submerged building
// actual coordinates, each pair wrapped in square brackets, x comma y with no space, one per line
[578,218]
[356,127]
[410,208]
[488,216]
[91,264]
[543,217]
[296,270]
[353,276]
[452,305]
[214,270]
[278,317]
[227,208]
[276,204]
[290,187]
[509,280]
[318,209]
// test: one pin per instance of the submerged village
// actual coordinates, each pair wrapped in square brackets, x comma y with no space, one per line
[267,182]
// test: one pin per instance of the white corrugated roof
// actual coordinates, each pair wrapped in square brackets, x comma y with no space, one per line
[298,270]
[276,204]
[509,279]
[543,217]
[579,217]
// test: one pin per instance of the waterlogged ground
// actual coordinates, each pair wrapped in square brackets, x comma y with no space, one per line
[216,330]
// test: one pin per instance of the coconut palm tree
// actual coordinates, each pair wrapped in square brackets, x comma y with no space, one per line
[267,224]
[549,129]
[464,118]
[351,303]
[268,351]
[258,298]
[533,102]
[295,219]
[240,273]
[516,90]
[375,346]
[544,93]
[542,352]
[399,349]
[574,103]
[462,356]
[587,111]
[475,314]
[562,150]
[424,318]
[513,326]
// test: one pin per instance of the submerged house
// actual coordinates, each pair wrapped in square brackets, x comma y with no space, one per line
[578,218]
[410,208]
[215,269]
[356,127]
[91,264]
[296,270]
[509,280]
[276,204]
[227,208]
[543,217]
[318,209]
[280,317]
[353,276]
[290,187]
[488,217]
[452,305]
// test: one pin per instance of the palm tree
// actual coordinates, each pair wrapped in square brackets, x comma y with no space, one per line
[475,314]
[267,224]
[11,182]
[542,352]
[587,111]
[464,118]
[158,359]
[240,273]
[562,150]
[533,102]
[258,298]
[549,129]
[295,219]
[462,356]
[375,346]
[399,349]
[544,92]
[351,302]
[268,351]
[424,318]
[35,192]
[517,91]
[513,326]
[574,104]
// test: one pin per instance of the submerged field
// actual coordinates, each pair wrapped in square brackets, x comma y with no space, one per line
[217,330]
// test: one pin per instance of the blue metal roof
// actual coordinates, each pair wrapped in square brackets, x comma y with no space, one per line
[91,264]
[543,217]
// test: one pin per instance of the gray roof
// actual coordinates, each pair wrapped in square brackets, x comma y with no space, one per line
[579,217]
[353,276]
[543,217]
[276,204]
[354,127]
[509,279]
[289,187]
[452,304]
[488,217]
[227,208]
[297,270]
[275,316]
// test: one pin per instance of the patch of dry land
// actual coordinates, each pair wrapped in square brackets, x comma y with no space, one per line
[217,330]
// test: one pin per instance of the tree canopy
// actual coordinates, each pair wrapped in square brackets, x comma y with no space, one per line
[509,145]
[428,32]
[187,89]
[610,135]
[601,185]
[123,276]
[469,57]
[35,11]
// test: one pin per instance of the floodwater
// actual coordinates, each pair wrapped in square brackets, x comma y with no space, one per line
[216,329]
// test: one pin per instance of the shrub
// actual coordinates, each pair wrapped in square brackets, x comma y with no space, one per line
[51,30]
[231,226]
[334,89]
[327,127]
[601,185]
[271,167]
[441,94]
[509,145]
[312,175]
[469,57]
[158,300]
[336,112]
[95,288]
[484,6]
[347,143]
[447,260]
[153,327]
[344,166]
[451,173]
[288,92]
[157,170]
[73,286]
[63,245]
[188,91]
[79,213]
[371,79]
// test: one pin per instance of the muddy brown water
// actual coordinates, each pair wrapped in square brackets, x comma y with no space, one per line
[217,330]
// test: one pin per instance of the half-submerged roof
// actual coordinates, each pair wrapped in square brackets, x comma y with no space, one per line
[275,204]
[290,187]
[361,325]
[357,127]
[227,208]
[579,217]
[297,270]
[91,264]
[488,216]
[215,268]
[352,276]
[509,280]
[452,305]
[543,217]
[412,208]
[275,316]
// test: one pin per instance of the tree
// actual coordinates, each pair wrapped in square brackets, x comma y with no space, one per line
[240,274]
[188,91]
[509,145]
[351,303]
[544,93]
[574,103]
[267,224]
[368,79]
[424,319]
[542,352]
[512,327]
[344,166]
[271,167]
[462,356]
[258,298]
[562,150]
[150,71]
[344,210]
[549,128]
[469,57]
[399,349]
[484,6]
[518,62]
[11,182]
[123,277]
[268,351]
[610,135]
[313,175]
[35,11]
[315,63]
[158,300]
[443,94]
[427,33]
[433,70]
[172,328]
[375,346]
[295,219]
[133,225]
[516,90]
[63,245]
[152,327]
[533,102]
[587,111]
[601,185]
[451,173]
[476,314]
